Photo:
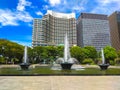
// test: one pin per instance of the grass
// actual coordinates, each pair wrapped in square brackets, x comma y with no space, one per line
[45,70]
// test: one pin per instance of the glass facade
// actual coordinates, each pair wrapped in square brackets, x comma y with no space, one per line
[118,16]
[93,30]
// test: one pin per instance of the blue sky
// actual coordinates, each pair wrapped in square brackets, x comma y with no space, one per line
[16,15]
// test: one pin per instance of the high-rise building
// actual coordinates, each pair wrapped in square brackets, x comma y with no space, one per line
[38,33]
[114,21]
[51,29]
[93,30]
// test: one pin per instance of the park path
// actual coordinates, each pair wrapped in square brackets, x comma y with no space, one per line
[59,82]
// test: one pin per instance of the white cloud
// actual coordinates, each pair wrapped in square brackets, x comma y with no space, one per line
[45,7]
[22,4]
[105,2]
[54,2]
[9,17]
[24,16]
[39,13]
[12,17]
[106,6]
[66,6]
[77,8]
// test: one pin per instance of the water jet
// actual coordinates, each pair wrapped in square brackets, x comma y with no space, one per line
[25,65]
[103,66]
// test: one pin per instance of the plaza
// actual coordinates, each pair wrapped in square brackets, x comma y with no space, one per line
[59,83]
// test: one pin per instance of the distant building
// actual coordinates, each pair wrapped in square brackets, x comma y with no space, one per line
[114,21]
[38,33]
[51,29]
[93,30]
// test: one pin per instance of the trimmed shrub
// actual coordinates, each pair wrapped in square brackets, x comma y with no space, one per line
[2,60]
[88,61]
[117,61]
[112,62]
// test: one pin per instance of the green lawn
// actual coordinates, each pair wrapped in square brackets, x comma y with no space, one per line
[45,70]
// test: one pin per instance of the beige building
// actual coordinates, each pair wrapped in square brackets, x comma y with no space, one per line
[114,21]
[51,29]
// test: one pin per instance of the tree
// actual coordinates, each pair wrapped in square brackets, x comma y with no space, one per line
[117,60]
[11,50]
[14,60]
[51,52]
[77,52]
[90,52]
[37,54]
[118,54]
[2,60]
[110,53]
[60,51]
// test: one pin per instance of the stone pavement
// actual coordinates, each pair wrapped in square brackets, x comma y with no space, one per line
[59,82]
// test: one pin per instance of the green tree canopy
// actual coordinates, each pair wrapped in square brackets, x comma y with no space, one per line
[11,50]
[110,53]
[90,52]
[118,54]
[77,53]
[60,51]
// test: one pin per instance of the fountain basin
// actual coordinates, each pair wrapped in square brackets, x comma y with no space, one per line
[103,66]
[66,66]
[24,66]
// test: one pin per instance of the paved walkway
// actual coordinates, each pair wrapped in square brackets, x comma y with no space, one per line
[59,82]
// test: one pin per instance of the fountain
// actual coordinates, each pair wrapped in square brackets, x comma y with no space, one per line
[66,62]
[25,65]
[103,66]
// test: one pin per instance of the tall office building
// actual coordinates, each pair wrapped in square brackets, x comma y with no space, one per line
[51,29]
[93,30]
[114,20]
